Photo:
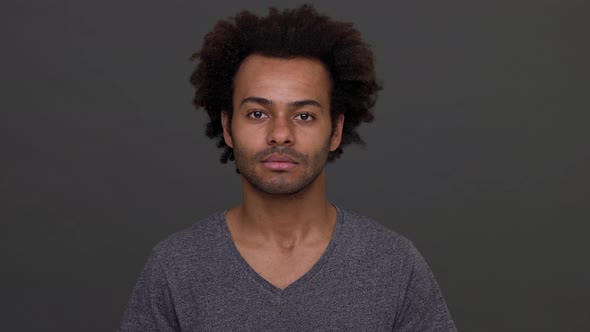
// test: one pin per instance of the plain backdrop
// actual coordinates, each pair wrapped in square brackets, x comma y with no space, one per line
[479,152]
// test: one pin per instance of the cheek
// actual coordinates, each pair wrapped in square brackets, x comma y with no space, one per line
[246,142]
[245,137]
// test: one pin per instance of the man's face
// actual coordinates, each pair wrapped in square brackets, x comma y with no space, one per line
[281,129]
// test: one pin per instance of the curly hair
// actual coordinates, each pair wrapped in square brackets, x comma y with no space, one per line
[299,32]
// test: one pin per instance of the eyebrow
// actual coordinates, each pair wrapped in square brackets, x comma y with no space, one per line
[305,102]
[256,100]
[267,102]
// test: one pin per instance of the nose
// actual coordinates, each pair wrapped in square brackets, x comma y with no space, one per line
[280,132]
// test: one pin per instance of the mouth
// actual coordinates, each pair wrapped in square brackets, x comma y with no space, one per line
[279,163]
[279,159]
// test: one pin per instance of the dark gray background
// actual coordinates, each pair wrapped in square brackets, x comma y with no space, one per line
[479,152]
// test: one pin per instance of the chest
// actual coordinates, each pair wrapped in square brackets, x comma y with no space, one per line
[315,290]
[320,304]
[282,267]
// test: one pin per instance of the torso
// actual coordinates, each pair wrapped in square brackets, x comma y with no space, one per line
[359,283]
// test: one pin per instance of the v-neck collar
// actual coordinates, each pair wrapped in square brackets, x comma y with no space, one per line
[302,281]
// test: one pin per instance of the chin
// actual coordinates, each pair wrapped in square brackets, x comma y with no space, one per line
[282,189]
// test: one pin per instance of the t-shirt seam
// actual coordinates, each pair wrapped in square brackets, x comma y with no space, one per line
[403,290]
[168,286]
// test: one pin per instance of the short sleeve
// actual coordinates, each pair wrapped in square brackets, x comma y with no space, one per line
[423,306]
[151,306]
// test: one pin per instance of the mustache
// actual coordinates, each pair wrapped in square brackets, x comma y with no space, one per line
[287,151]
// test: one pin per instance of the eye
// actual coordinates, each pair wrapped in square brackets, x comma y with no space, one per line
[304,117]
[257,114]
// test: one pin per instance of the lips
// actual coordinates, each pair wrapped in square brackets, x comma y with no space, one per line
[280,159]
[279,163]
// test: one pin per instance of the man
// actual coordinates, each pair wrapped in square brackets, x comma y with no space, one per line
[284,93]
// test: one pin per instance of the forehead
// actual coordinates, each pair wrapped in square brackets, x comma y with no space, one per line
[282,79]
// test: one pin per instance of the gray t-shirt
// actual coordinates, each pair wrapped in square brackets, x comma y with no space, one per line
[368,279]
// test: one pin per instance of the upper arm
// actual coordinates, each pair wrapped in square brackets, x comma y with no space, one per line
[423,307]
[151,306]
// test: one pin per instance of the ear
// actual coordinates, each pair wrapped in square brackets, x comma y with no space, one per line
[337,135]
[226,123]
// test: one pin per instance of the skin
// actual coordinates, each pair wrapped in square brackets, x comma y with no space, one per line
[282,111]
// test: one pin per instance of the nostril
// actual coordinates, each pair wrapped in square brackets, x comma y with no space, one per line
[280,135]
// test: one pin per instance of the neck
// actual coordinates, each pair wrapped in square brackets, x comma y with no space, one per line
[285,220]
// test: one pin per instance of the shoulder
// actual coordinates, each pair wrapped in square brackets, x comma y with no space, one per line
[366,240]
[368,232]
[199,241]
